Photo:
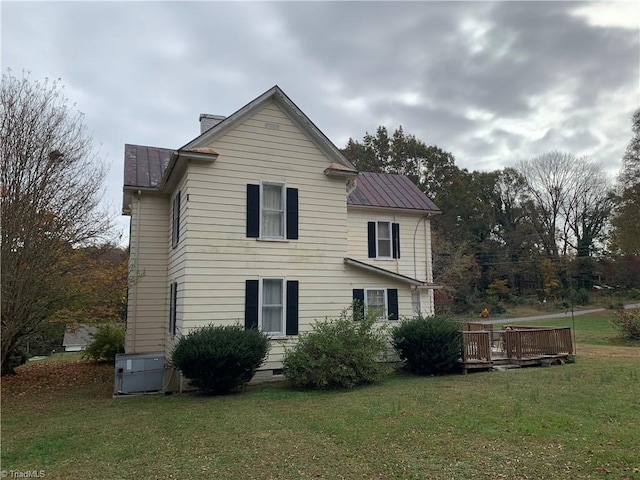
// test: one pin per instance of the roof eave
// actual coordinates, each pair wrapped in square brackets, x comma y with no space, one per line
[414,282]
[395,209]
[198,154]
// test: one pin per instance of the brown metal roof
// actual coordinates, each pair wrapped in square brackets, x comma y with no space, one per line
[388,190]
[144,166]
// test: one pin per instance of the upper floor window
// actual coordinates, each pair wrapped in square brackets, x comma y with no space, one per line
[272,211]
[175,220]
[273,202]
[383,239]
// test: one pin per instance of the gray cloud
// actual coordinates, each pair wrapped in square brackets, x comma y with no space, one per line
[491,82]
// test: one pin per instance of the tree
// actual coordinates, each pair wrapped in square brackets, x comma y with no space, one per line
[626,221]
[429,167]
[570,202]
[51,189]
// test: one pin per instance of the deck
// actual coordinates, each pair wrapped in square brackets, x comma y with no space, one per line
[483,347]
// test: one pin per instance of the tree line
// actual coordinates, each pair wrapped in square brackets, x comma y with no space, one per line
[546,227]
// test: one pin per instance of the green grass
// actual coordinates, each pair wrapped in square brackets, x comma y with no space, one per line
[576,421]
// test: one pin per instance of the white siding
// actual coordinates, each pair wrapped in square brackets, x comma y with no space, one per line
[147,300]
[220,258]
[411,239]
[214,258]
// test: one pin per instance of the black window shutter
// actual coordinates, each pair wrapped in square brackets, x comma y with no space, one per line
[251,304]
[395,236]
[292,213]
[174,307]
[178,217]
[253,211]
[392,303]
[358,303]
[175,233]
[292,307]
[172,318]
[371,231]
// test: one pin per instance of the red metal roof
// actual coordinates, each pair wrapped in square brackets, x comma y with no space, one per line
[389,190]
[144,166]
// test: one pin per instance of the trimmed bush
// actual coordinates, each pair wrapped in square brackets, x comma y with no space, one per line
[106,342]
[219,359]
[338,353]
[429,346]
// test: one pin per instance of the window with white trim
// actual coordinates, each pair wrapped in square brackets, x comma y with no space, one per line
[376,299]
[272,301]
[383,235]
[383,240]
[273,210]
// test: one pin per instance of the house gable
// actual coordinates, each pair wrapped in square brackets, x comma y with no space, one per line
[288,108]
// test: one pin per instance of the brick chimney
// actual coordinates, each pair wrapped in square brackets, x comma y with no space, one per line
[208,121]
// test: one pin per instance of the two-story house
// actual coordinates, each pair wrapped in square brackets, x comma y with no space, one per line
[261,221]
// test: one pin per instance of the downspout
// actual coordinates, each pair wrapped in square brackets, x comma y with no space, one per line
[137,272]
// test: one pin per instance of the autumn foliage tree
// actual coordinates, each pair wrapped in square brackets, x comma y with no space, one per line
[627,217]
[51,190]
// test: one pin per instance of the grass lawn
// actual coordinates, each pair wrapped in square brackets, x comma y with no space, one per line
[575,421]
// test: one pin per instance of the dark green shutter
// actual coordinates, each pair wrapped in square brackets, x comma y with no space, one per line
[292,307]
[292,213]
[251,304]
[253,211]
[358,303]
[392,303]
[395,239]
[371,234]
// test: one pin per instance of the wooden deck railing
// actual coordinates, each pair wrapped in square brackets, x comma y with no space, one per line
[476,346]
[516,345]
[537,342]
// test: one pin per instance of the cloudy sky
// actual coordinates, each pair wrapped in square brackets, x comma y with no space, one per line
[490,82]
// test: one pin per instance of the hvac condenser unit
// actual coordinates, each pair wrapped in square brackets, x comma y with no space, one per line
[138,373]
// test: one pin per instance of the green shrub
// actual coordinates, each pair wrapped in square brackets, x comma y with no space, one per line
[106,342]
[219,359]
[633,294]
[429,346]
[628,323]
[338,353]
[582,297]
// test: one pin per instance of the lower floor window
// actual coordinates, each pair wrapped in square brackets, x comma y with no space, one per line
[272,305]
[375,299]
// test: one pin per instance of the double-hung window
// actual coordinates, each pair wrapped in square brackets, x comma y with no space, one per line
[375,299]
[379,299]
[383,239]
[273,298]
[272,212]
[383,234]
[271,305]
